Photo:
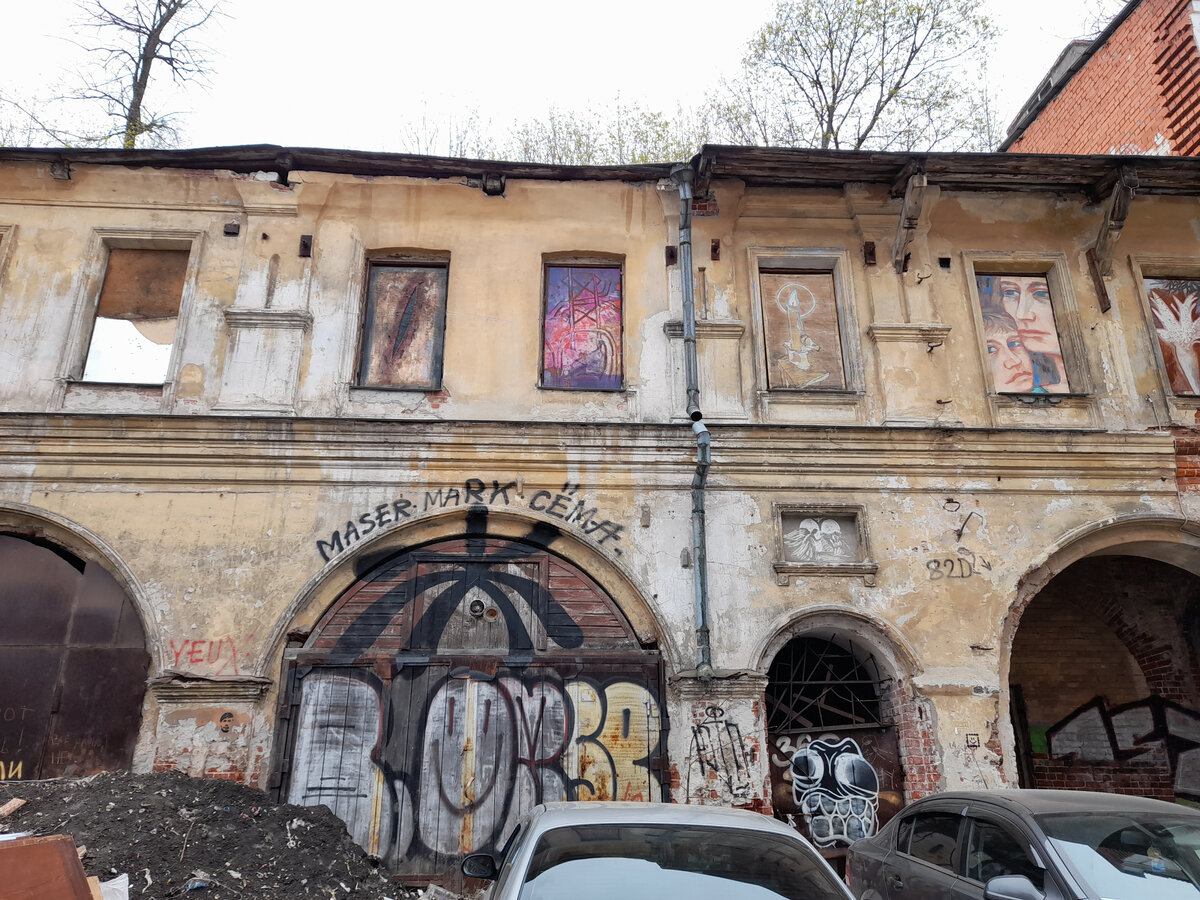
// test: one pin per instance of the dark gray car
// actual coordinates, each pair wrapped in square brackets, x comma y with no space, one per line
[1031,845]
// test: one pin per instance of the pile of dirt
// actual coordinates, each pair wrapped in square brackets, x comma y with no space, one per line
[207,839]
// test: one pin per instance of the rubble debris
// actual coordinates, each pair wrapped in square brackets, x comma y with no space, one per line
[179,837]
[11,806]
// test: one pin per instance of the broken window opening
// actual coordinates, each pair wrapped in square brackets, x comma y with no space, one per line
[137,316]
[816,683]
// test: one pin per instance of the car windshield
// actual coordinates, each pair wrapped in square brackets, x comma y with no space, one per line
[650,862]
[1130,856]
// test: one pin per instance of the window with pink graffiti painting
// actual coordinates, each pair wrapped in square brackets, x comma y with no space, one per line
[582,328]
[1173,306]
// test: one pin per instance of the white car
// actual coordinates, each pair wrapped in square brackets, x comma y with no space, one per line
[654,851]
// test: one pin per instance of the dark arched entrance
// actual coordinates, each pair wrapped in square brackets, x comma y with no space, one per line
[1103,680]
[454,686]
[73,664]
[831,722]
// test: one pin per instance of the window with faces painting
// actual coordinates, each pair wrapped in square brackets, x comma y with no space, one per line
[1025,352]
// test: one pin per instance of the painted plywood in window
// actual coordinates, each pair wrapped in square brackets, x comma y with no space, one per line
[1173,304]
[405,327]
[582,328]
[803,337]
[1024,353]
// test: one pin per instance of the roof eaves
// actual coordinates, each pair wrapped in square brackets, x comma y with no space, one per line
[246,159]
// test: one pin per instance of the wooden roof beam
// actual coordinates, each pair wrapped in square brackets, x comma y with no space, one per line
[1124,182]
[910,215]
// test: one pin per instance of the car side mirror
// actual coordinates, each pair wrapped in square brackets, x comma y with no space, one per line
[1011,887]
[483,865]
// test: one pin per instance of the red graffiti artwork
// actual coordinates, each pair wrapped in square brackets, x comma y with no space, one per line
[221,653]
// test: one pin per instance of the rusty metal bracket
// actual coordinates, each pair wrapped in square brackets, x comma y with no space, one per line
[493,184]
[1100,256]
[910,215]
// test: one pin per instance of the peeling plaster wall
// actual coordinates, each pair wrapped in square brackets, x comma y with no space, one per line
[221,493]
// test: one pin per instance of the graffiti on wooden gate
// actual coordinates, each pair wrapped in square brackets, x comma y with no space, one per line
[458,685]
[489,748]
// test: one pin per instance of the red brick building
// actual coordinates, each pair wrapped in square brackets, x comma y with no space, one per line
[1133,90]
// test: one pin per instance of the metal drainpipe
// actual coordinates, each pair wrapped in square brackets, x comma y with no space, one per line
[682,176]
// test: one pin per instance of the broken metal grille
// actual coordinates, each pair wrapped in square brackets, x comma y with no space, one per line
[817,684]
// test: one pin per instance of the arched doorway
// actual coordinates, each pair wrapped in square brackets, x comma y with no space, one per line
[1103,679]
[833,715]
[456,685]
[73,664]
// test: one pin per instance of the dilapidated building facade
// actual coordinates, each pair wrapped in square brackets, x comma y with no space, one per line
[810,482]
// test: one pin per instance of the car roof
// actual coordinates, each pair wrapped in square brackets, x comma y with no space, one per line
[563,813]
[1041,802]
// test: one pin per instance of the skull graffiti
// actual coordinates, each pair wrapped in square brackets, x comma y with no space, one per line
[836,789]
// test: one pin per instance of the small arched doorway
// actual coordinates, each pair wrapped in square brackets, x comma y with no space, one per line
[832,725]
[454,686]
[1103,679]
[73,664]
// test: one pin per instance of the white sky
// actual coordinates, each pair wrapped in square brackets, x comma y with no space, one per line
[354,73]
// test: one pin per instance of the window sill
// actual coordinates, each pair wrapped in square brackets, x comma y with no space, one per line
[1045,410]
[103,396]
[866,570]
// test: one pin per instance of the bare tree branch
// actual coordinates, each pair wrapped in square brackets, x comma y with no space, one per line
[891,74]
[131,40]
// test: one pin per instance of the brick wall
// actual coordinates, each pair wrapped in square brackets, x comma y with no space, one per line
[1187,462]
[915,739]
[1114,626]
[1136,91]
[1143,777]
[1058,651]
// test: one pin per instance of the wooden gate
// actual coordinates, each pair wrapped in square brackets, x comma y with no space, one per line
[453,688]
[73,665]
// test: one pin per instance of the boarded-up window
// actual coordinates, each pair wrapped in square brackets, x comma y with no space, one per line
[137,316]
[802,333]
[405,327]
[1023,348]
[581,328]
[1173,304]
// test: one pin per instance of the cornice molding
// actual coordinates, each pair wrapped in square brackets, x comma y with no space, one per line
[907,332]
[241,317]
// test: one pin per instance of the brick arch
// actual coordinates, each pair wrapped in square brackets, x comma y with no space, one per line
[1167,540]
[324,588]
[40,524]
[1092,578]
[458,681]
[66,619]
[902,708]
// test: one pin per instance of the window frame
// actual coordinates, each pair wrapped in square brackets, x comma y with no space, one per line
[974,819]
[426,259]
[8,238]
[959,846]
[1151,267]
[87,300]
[579,260]
[835,261]
[1066,320]
[865,567]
